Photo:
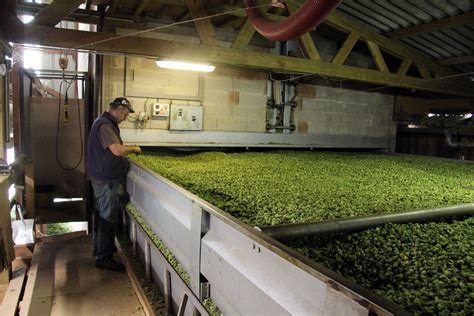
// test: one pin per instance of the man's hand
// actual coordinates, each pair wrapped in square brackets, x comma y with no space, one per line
[124,150]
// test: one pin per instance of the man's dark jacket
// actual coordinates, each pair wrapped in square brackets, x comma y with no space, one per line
[102,164]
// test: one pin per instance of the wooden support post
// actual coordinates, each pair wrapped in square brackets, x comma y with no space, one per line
[377,56]
[346,48]
[203,26]
[141,6]
[306,41]
[245,35]
[424,72]
[404,66]
[115,5]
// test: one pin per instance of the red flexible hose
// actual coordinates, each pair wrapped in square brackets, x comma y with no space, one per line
[309,15]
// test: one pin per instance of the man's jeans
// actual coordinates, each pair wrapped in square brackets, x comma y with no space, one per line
[106,215]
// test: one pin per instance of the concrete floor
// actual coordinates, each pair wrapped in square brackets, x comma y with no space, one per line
[69,284]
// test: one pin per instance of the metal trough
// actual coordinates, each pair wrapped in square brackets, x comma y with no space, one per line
[239,268]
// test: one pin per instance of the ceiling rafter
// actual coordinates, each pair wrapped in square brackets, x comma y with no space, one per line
[425,73]
[433,26]
[461,60]
[114,6]
[394,48]
[403,68]
[185,14]
[140,46]
[244,36]
[204,27]
[56,12]
[306,41]
[140,7]
[348,25]
[11,5]
[346,49]
[377,56]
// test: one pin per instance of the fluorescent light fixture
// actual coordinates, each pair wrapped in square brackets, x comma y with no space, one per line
[61,200]
[180,65]
[27,18]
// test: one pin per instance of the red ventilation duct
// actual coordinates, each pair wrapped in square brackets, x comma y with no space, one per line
[309,15]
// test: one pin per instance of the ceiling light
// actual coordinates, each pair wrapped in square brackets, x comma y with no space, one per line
[180,65]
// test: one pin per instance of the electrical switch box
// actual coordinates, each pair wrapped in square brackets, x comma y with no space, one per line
[186,117]
[161,109]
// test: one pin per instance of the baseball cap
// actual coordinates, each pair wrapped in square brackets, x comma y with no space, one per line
[122,102]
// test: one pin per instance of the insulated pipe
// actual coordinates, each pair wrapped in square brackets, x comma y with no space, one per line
[309,15]
[354,224]
[451,144]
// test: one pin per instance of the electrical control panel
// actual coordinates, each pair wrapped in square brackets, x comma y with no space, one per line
[186,117]
[161,109]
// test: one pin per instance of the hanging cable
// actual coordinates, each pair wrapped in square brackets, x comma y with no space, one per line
[68,84]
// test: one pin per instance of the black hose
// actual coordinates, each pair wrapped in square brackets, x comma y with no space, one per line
[57,129]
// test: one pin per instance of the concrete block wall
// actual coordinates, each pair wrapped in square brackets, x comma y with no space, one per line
[232,100]
[235,100]
[334,111]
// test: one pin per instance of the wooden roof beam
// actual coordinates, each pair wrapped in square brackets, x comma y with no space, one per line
[140,7]
[346,49]
[377,56]
[433,26]
[11,5]
[245,35]
[346,24]
[113,7]
[306,41]
[204,27]
[403,68]
[56,12]
[461,60]
[140,46]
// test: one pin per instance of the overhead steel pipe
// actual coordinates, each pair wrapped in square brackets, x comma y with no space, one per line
[309,15]
[451,144]
[354,224]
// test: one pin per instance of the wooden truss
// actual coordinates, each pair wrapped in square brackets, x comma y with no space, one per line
[433,76]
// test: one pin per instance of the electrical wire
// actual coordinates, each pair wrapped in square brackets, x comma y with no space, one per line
[173,24]
[369,89]
[136,33]
[68,84]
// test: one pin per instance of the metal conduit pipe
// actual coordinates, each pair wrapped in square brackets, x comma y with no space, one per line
[309,15]
[354,224]
[456,145]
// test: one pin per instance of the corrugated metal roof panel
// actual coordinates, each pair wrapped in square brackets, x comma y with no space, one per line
[391,15]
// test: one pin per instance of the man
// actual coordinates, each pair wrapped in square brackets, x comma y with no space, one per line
[106,168]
